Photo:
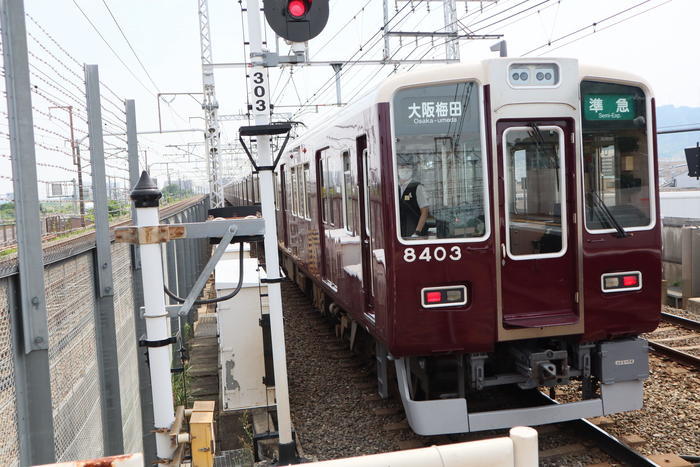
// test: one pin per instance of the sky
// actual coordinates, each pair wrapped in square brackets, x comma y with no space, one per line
[651,39]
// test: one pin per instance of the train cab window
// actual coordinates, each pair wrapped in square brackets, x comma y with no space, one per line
[348,194]
[534,191]
[616,162]
[440,168]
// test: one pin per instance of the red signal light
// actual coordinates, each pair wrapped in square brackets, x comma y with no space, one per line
[433,297]
[629,281]
[297,8]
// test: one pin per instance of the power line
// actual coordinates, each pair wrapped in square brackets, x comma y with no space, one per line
[594,25]
[130,46]
[113,51]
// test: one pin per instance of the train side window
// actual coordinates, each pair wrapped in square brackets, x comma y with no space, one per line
[302,191]
[329,191]
[305,193]
[348,194]
[617,166]
[324,195]
[295,193]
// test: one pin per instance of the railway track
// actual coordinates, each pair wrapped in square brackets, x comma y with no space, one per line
[679,341]
[55,238]
[337,412]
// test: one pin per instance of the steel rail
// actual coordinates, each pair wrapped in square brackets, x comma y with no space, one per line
[681,321]
[677,355]
[604,440]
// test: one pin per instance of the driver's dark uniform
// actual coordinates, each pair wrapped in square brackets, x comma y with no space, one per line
[409,211]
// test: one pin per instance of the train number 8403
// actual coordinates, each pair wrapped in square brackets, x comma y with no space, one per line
[428,254]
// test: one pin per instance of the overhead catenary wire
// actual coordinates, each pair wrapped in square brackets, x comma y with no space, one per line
[145,70]
[592,25]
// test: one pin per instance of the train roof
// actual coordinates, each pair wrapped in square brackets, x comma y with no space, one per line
[478,71]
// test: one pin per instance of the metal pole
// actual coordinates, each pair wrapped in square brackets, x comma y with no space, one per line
[33,381]
[149,445]
[337,67]
[105,329]
[387,49]
[261,110]
[451,45]
[145,196]
[211,109]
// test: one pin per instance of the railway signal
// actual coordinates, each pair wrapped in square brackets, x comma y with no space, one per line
[297,20]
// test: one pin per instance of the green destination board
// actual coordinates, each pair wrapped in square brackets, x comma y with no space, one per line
[609,107]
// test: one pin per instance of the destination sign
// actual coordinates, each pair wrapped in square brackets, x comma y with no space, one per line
[437,110]
[609,107]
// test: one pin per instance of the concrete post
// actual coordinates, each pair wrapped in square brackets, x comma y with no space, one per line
[31,336]
[105,329]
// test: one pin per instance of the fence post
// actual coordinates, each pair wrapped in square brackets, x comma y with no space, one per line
[105,331]
[149,441]
[33,379]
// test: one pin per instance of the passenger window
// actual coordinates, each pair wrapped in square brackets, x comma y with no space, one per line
[295,193]
[616,162]
[304,193]
[348,193]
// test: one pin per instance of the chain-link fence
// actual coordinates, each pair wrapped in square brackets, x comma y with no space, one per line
[9,436]
[75,388]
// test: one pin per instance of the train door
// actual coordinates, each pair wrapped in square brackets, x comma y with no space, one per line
[283,202]
[365,224]
[322,208]
[537,224]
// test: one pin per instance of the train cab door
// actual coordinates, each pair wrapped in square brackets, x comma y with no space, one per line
[365,226]
[536,178]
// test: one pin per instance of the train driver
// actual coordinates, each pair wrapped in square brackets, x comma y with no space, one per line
[413,201]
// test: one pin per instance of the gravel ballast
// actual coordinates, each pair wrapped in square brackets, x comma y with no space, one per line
[334,407]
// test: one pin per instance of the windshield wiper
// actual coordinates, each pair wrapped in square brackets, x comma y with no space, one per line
[609,215]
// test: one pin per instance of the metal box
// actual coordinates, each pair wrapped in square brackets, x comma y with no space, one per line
[623,360]
[241,349]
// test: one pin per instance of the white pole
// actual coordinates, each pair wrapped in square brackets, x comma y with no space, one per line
[261,110]
[146,196]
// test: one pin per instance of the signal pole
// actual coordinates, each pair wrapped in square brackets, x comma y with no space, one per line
[260,99]
[210,106]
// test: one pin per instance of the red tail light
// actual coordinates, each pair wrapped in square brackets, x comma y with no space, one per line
[433,297]
[629,281]
[455,295]
[621,281]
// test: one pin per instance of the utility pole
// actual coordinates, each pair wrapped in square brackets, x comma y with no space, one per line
[76,160]
[211,110]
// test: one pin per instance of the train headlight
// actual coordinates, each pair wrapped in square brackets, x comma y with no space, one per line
[621,281]
[533,74]
[435,297]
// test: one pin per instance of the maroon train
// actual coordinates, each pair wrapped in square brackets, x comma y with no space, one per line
[493,224]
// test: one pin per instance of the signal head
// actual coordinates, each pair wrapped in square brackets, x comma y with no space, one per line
[297,20]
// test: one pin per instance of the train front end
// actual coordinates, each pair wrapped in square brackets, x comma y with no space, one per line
[526,239]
